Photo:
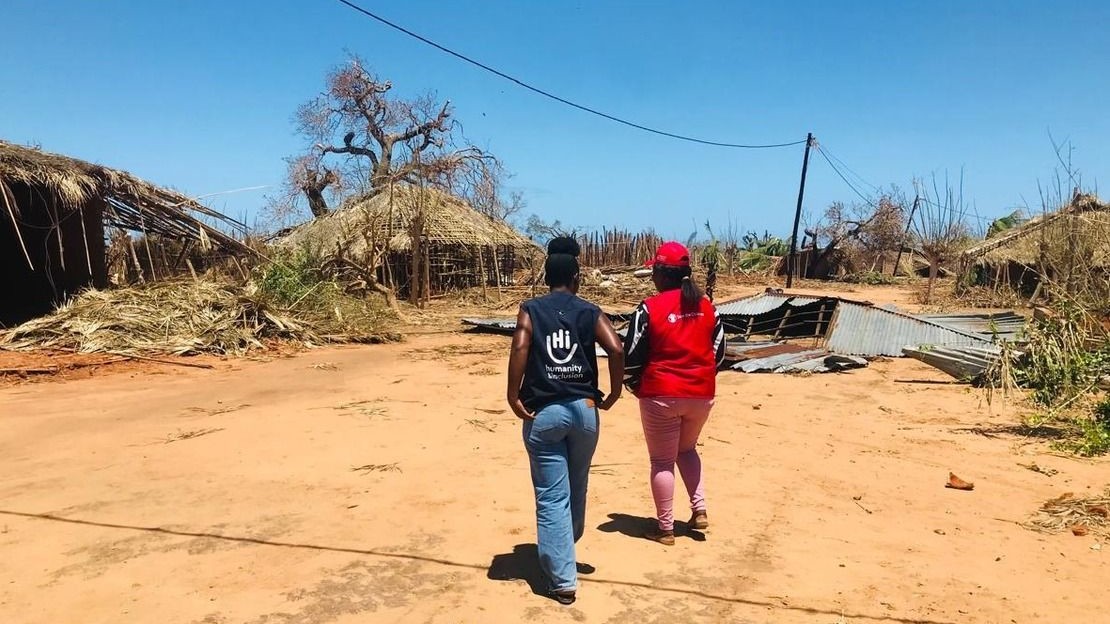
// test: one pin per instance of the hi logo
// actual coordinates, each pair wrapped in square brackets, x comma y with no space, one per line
[560,340]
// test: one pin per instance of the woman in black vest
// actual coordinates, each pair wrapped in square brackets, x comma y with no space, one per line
[553,389]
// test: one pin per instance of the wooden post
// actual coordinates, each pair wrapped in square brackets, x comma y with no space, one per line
[792,264]
[905,236]
[782,323]
[497,271]
[482,271]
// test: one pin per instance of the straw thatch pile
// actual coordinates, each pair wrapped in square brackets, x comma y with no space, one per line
[1082,227]
[1069,512]
[129,202]
[386,219]
[177,317]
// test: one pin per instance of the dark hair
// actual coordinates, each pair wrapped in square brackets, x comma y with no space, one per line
[560,270]
[563,245]
[681,277]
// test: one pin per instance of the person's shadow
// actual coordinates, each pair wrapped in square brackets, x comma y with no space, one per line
[638,526]
[523,564]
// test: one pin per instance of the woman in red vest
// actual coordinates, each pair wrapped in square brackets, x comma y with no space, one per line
[673,348]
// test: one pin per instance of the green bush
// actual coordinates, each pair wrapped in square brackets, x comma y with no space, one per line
[294,282]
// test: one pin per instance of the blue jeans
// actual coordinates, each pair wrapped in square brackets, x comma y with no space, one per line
[561,442]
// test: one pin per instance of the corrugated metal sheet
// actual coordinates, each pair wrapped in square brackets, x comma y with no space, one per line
[871,331]
[963,363]
[767,301]
[780,362]
[1006,325]
[761,303]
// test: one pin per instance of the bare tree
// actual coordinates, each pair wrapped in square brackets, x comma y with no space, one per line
[940,226]
[362,138]
[862,231]
[483,187]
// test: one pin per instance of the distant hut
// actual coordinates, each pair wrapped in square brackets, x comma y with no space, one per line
[56,214]
[1068,247]
[458,246]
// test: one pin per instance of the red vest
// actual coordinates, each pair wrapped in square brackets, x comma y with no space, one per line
[681,362]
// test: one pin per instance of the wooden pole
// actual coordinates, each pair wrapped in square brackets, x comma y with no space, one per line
[792,265]
[905,236]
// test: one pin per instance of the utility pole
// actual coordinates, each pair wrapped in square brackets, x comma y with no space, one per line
[905,236]
[792,263]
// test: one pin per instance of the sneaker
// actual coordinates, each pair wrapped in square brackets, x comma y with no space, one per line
[656,534]
[564,597]
[699,520]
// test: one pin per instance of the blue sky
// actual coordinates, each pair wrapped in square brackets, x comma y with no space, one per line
[199,94]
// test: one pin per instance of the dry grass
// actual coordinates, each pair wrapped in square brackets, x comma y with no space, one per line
[179,318]
[1068,513]
[368,468]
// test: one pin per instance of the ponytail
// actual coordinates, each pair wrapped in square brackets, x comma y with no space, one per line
[691,295]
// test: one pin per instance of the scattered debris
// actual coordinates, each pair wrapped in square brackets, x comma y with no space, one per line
[173,317]
[216,411]
[325,366]
[857,499]
[940,532]
[1048,472]
[362,408]
[957,483]
[189,435]
[368,468]
[1069,513]
[480,424]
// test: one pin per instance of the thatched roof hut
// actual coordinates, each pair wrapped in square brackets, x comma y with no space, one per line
[1074,239]
[460,246]
[55,214]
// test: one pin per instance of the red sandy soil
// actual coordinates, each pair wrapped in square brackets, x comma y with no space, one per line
[160,493]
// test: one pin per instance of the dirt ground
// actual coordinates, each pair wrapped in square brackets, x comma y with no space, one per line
[389,484]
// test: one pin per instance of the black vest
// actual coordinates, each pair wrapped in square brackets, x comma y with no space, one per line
[562,362]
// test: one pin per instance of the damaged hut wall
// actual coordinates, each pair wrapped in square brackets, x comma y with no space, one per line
[452,267]
[65,246]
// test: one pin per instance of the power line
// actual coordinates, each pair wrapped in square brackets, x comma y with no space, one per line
[837,171]
[843,164]
[552,96]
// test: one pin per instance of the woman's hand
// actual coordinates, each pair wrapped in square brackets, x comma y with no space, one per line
[611,400]
[518,408]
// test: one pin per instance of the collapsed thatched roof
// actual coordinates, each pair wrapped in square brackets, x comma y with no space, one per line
[386,219]
[1084,217]
[129,202]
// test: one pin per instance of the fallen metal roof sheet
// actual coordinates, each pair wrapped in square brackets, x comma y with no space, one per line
[767,301]
[871,331]
[963,363]
[1006,325]
[786,357]
[854,328]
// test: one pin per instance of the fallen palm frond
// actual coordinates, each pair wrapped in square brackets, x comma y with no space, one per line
[192,317]
[1067,512]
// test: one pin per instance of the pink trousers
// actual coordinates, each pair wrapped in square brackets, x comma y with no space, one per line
[671,428]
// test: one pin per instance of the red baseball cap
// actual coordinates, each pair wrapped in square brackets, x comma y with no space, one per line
[671,254]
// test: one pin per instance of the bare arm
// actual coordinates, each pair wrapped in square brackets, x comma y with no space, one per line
[518,360]
[611,343]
